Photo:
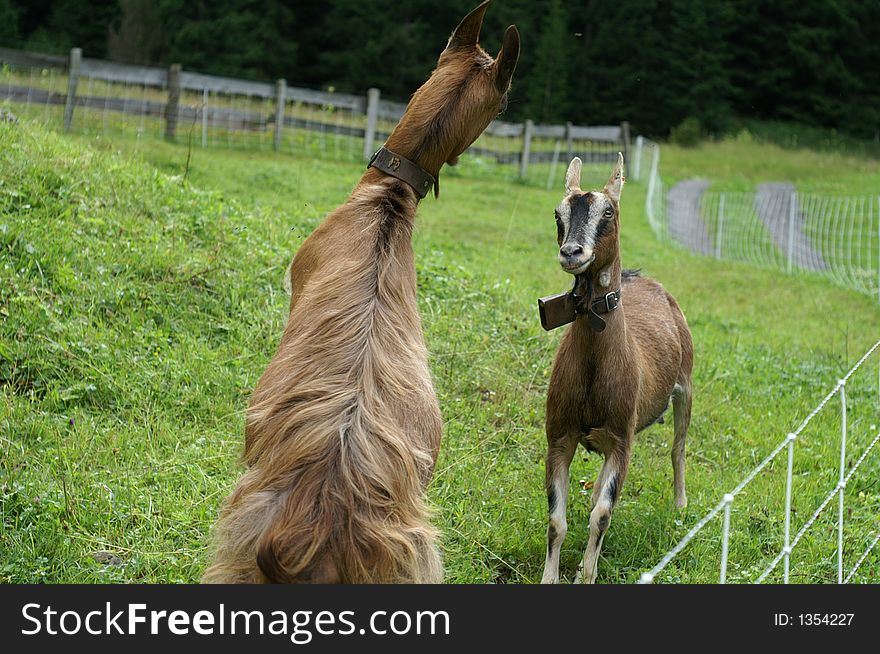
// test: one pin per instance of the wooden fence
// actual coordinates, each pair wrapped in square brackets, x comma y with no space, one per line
[178,97]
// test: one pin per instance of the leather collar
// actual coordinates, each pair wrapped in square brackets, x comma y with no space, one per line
[563,308]
[403,169]
[597,308]
[605,304]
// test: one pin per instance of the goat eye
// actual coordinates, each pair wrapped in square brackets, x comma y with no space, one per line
[609,213]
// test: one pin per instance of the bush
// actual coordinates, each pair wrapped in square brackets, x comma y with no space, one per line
[688,133]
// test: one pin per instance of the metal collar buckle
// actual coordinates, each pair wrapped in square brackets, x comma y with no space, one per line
[608,298]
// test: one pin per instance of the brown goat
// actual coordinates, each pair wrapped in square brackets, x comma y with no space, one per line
[343,427]
[626,353]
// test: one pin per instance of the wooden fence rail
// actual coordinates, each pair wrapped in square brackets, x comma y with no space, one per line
[523,143]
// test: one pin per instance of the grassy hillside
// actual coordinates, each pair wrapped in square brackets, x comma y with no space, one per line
[138,309]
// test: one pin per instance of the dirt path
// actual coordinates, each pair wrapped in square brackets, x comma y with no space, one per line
[684,214]
[772,205]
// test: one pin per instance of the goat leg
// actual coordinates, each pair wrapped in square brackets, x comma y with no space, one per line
[560,452]
[609,483]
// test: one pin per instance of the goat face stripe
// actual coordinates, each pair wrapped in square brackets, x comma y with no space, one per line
[581,219]
[563,218]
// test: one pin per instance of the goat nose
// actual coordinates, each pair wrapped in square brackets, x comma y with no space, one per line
[570,250]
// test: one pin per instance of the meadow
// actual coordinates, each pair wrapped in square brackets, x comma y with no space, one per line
[141,296]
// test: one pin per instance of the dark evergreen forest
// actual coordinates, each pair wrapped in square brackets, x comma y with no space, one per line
[652,62]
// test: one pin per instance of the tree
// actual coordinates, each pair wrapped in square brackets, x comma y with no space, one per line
[862,56]
[79,24]
[31,14]
[244,38]
[694,79]
[8,24]
[651,62]
[365,43]
[137,39]
[546,86]
[612,69]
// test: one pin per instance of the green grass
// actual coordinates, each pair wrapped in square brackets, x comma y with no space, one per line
[742,162]
[138,309]
[801,136]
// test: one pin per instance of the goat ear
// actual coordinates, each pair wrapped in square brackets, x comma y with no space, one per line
[505,62]
[467,33]
[573,176]
[615,182]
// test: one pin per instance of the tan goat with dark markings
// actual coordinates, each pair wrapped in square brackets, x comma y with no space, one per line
[627,352]
[343,428]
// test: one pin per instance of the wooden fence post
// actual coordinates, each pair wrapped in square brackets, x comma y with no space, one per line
[173,105]
[373,96]
[527,146]
[73,67]
[280,101]
[624,134]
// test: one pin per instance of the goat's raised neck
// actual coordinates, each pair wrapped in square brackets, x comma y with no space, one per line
[464,93]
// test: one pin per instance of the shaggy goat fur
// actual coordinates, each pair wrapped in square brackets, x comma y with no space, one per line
[344,427]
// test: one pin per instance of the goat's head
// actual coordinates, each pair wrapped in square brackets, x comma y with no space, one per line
[464,93]
[588,224]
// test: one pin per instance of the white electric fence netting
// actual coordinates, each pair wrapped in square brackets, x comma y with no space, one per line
[789,543]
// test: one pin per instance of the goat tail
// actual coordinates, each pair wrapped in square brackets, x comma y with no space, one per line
[357,546]
[262,537]
[355,513]
[286,560]
[267,560]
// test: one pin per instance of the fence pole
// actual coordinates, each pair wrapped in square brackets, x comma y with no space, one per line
[552,175]
[786,549]
[652,184]
[527,146]
[373,96]
[842,484]
[725,537]
[204,118]
[637,165]
[173,105]
[625,137]
[569,140]
[73,67]
[280,100]
[720,226]
[878,248]
[791,213]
